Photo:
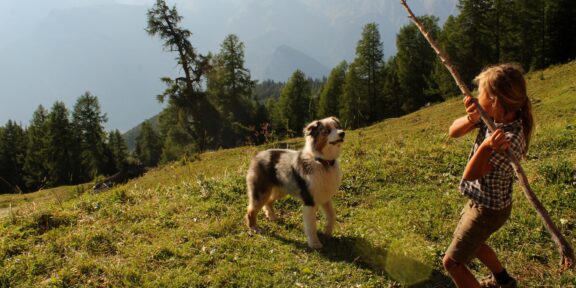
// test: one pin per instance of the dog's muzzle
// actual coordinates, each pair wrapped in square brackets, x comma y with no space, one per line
[341,135]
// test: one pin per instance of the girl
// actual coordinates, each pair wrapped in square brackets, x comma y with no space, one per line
[488,176]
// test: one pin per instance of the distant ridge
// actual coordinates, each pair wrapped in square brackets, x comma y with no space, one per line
[130,135]
[285,60]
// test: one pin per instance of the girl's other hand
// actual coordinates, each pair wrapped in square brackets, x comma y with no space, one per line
[497,141]
[473,115]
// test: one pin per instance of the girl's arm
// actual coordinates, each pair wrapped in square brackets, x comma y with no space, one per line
[461,127]
[465,124]
[479,165]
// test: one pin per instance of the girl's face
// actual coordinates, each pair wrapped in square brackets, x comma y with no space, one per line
[487,103]
[492,106]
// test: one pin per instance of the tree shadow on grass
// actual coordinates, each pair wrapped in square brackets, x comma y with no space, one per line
[402,269]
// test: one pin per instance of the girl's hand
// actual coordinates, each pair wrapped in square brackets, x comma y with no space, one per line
[473,115]
[497,141]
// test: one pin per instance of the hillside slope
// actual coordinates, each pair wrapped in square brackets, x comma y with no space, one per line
[182,224]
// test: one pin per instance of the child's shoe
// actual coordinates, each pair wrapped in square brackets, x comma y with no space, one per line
[491,282]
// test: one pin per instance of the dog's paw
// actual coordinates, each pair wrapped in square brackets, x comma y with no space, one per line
[272,217]
[270,214]
[254,230]
[315,245]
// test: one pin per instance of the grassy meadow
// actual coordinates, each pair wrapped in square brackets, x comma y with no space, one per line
[181,225]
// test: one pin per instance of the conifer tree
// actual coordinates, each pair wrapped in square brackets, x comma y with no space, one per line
[148,145]
[351,115]
[369,64]
[267,89]
[332,91]
[391,91]
[230,90]
[12,154]
[176,141]
[415,60]
[118,150]
[473,39]
[295,103]
[88,121]
[61,147]
[560,24]
[193,113]
[441,81]
[4,186]
[36,161]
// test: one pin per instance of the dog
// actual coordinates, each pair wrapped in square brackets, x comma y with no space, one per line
[311,174]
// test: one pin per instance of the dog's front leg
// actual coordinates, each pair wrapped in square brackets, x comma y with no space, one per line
[330,217]
[310,227]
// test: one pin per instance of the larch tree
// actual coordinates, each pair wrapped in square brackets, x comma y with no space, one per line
[194,114]
[369,65]
[230,90]
[12,155]
[350,113]
[294,103]
[87,122]
[415,61]
[332,91]
[148,145]
[118,150]
[36,161]
[60,145]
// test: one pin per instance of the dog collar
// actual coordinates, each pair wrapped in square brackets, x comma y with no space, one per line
[325,163]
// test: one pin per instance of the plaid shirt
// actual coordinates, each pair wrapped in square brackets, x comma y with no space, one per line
[494,190]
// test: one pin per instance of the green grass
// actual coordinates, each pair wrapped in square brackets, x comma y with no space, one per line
[9,203]
[181,225]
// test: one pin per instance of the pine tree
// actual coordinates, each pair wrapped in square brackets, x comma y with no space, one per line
[441,81]
[61,147]
[560,26]
[332,91]
[415,60]
[118,150]
[474,39]
[148,145]
[391,91]
[4,187]
[88,121]
[36,161]
[12,154]
[230,90]
[351,115]
[295,103]
[369,64]
[176,140]
[316,86]
[194,114]
[267,89]
[275,114]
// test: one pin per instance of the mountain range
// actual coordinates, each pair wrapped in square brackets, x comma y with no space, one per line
[101,46]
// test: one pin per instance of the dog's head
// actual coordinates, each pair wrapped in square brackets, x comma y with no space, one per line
[324,137]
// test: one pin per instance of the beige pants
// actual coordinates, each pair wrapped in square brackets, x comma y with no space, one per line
[476,225]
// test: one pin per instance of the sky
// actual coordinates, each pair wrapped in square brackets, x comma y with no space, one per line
[56,50]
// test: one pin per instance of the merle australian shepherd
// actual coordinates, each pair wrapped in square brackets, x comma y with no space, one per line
[311,174]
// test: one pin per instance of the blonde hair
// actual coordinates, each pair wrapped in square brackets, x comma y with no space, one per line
[506,82]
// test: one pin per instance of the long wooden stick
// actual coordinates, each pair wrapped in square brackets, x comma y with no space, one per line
[563,246]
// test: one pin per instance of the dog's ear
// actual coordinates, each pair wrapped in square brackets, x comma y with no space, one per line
[337,121]
[312,129]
